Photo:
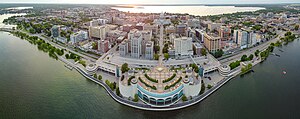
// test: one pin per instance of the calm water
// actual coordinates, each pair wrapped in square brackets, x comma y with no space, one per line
[193,10]
[33,85]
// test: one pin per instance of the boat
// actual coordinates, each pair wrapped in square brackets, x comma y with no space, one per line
[283,72]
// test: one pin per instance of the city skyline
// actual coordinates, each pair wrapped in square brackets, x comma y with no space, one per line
[154,1]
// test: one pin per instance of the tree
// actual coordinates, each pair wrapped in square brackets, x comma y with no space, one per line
[244,58]
[256,53]
[184,98]
[203,52]
[235,64]
[100,77]
[156,49]
[156,56]
[136,98]
[166,55]
[95,76]
[32,31]
[124,68]
[166,47]
[251,57]
[218,53]
[209,86]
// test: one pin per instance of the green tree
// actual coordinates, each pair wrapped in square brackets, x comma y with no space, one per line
[166,55]
[256,53]
[95,76]
[218,53]
[136,98]
[156,48]
[235,64]
[32,31]
[209,86]
[251,57]
[184,98]
[244,58]
[156,56]
[124,68]
[100,77]
[203,52]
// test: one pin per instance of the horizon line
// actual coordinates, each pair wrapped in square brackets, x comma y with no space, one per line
[154,3]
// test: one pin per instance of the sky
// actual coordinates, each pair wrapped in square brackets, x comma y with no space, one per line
[154,1]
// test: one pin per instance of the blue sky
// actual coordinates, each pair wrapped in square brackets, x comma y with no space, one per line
[153,1]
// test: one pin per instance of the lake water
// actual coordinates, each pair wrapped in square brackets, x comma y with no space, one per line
[33,85]
[193,10]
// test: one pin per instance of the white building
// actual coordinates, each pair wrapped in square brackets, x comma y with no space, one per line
[123,48]
[136,45]
[183,46]
[78,36]
[149,50]
[253,39]
[62,39]
[98,32]
[242,39]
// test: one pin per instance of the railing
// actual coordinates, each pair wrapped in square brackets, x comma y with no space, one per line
[148,107]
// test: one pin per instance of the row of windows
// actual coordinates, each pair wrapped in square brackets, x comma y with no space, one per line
[154,101]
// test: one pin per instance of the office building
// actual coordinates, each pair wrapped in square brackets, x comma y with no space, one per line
[212,42]
[123,48]
[136,46]
[78,37]
[149,50]
[103,46]
[55,31]
[183,46]
[98,32]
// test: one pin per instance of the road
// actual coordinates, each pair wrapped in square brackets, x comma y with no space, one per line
[261,47]
[48,40]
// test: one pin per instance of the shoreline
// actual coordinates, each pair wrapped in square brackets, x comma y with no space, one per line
[176,106]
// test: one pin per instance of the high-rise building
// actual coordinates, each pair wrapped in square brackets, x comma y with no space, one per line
[98,32]
[149,50]
[78,36]
[183,46]
[136,46]
[197,49]
[212,42]
[253,39]
[243,39]
[181,29]
[94,23]
[103,46]
[236,36]
[123,48]
[225,33]
[199,35]
[55,31]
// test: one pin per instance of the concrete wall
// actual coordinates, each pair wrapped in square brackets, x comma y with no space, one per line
[128,91]
[191,90]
